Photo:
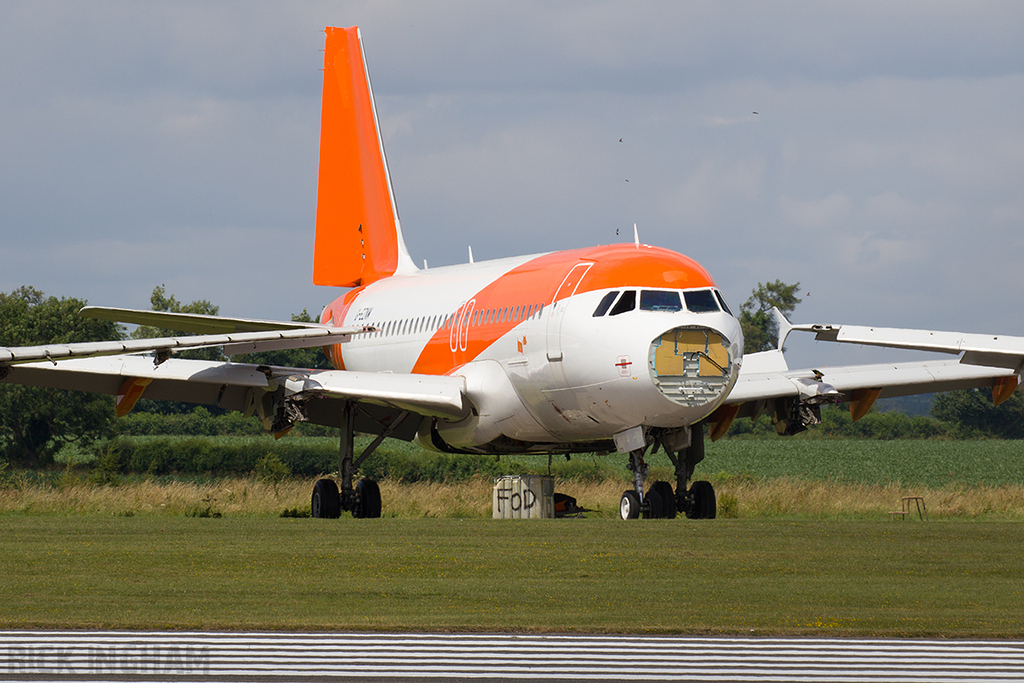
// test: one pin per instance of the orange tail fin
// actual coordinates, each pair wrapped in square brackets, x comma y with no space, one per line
[358,235]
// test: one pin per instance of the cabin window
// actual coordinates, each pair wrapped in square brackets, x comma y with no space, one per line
[626,303]
[701,301]
[659,300]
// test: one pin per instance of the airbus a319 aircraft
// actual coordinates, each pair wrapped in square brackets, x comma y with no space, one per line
[626,347]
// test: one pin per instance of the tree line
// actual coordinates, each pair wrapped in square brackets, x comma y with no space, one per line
[37,422]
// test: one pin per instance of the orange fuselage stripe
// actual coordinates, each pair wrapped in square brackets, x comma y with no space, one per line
[542,280]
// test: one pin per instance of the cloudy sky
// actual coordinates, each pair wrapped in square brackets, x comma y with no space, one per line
[873,152]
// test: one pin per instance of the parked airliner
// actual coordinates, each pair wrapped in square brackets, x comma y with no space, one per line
[625,347]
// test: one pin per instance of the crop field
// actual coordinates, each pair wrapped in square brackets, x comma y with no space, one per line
[923,462]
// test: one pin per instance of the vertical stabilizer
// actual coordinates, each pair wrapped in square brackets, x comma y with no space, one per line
[358,235]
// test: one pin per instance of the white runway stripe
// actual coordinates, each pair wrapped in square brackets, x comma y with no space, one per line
[182,656]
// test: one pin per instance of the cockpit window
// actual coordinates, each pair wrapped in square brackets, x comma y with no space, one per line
[655,300]
[627,302]
[700,301]
[606,302]
[721,300]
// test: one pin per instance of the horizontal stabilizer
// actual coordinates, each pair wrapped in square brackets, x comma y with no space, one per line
[192,322]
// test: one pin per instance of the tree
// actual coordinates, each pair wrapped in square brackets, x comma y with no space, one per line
[760,331]
[36,421]
[974,414]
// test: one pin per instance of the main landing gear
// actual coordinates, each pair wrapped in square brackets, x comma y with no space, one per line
[661,502]
[363,499]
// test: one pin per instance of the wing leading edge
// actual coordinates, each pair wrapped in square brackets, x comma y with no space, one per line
[793,397]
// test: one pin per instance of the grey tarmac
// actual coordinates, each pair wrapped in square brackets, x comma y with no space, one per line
[150,656]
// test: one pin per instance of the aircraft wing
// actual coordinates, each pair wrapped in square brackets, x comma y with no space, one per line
[978,349]
[265,390]
[118,368]
[839,383]
[766,384]
[235,343]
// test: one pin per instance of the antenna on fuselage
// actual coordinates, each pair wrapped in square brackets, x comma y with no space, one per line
[636,236]
[471,254]
[425,266]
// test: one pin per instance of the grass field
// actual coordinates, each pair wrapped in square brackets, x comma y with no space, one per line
[803,545]
[949,578]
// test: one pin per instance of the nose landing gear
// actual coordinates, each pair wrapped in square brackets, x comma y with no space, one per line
[661,502]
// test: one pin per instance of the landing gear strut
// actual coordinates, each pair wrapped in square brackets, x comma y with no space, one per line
[363,499]
[699,501]
[661,501]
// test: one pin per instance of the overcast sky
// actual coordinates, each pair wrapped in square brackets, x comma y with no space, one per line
[873,152]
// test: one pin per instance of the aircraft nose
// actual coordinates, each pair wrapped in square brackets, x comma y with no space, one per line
[692,366]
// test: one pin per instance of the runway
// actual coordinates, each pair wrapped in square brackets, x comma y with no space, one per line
[301,657]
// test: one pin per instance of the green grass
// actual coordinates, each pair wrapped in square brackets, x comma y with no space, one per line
[949,578]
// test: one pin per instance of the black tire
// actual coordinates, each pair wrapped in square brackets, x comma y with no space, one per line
[668,498]
[704,505]
[368,497]
[651,507]
[325,503]
[629,505]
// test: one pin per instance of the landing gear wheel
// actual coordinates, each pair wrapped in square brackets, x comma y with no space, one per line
[651,507]
[629,506]
[368,497]
[704,506]
[664,491]
[326,502]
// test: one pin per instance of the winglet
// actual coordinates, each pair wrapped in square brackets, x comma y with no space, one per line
[358,235]
[785,327]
